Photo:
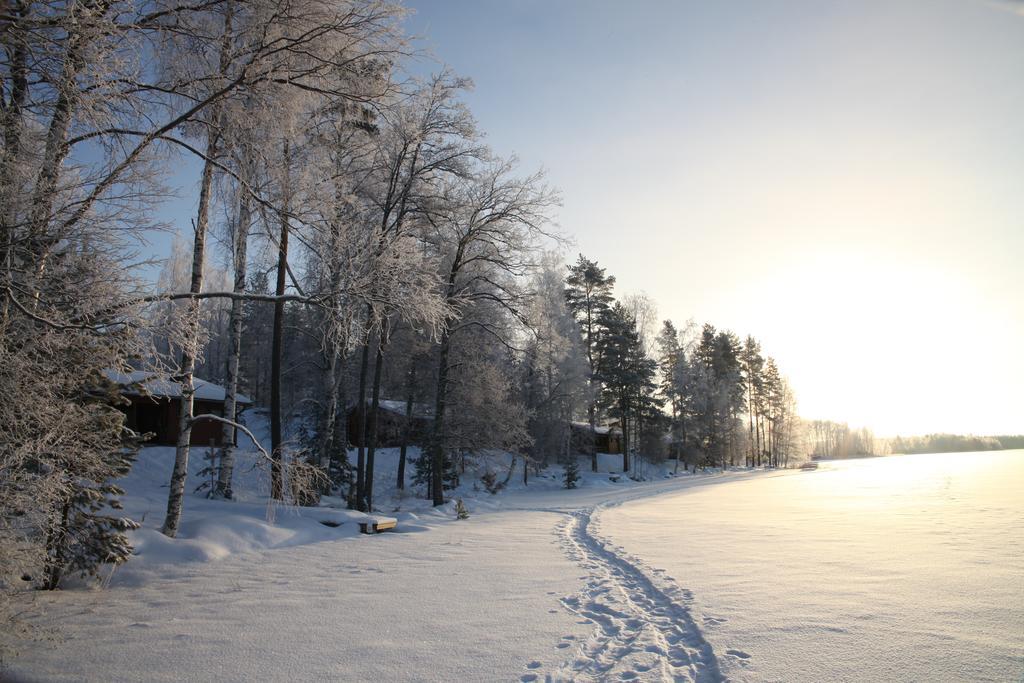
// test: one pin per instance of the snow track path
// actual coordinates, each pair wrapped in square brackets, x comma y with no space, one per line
[645,630]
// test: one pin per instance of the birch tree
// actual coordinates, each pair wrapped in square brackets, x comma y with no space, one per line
[306,47]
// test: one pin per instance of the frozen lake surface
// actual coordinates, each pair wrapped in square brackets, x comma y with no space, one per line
[900,568]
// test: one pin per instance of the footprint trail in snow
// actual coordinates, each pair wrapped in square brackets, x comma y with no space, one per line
[644,627]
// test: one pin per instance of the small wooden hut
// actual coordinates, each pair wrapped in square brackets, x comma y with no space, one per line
[599,439]
[154,404]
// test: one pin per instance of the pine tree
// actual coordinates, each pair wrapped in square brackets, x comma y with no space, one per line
[627,375]
[422,473]
[588,293]
[717,355]
[670,356]
[84,535]
[572,473]
[753,369]
[775,400]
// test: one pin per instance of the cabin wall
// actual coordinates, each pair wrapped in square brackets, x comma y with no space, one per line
[585,442]
[159,416]
[207,432]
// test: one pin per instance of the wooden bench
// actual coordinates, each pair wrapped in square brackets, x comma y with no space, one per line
[377,525]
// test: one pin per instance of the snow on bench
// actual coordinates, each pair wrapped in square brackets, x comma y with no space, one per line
[375,525]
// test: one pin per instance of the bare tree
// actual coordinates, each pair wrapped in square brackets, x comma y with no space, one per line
[555,365]
[489,228]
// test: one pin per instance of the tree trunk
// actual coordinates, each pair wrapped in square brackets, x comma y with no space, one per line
[175,496]
[334,348]
[437,442]
[592,417]
[374,406]
[364,365]
[330,405]
[341,419]
[760,438]
[55,149]
[13,130]
[335,335]
[591,380]
[437,439]
[625,442]
[230,435]
[55,557]
[758,435]
[341,416]
[406,433]
[277,343]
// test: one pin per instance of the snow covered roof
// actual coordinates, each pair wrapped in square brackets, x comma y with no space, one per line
[419,410]
[163,388]
[598,429]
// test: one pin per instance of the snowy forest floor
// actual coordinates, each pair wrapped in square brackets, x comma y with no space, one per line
[523,590]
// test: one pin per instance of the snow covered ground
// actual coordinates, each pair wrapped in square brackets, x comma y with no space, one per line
[848,573]
[253,591]
[907,568]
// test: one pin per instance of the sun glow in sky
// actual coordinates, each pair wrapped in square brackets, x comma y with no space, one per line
[842,180]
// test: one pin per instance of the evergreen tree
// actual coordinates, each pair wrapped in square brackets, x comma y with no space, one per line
[670,355]
[588,293]
[626,374]
[718,356]
[572,472]
[422,473]
[775,399]
[753,369]
[729,393]
[84,535]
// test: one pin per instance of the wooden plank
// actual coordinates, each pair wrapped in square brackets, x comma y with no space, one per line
[376,526]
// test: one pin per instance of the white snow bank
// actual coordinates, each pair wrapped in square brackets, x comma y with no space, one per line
[212,530]
[252,591]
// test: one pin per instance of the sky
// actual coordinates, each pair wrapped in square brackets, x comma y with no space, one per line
[843,180]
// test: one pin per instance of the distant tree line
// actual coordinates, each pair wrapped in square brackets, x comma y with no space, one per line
[837,440]
[949,443]
[826,438]
[1008,441]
